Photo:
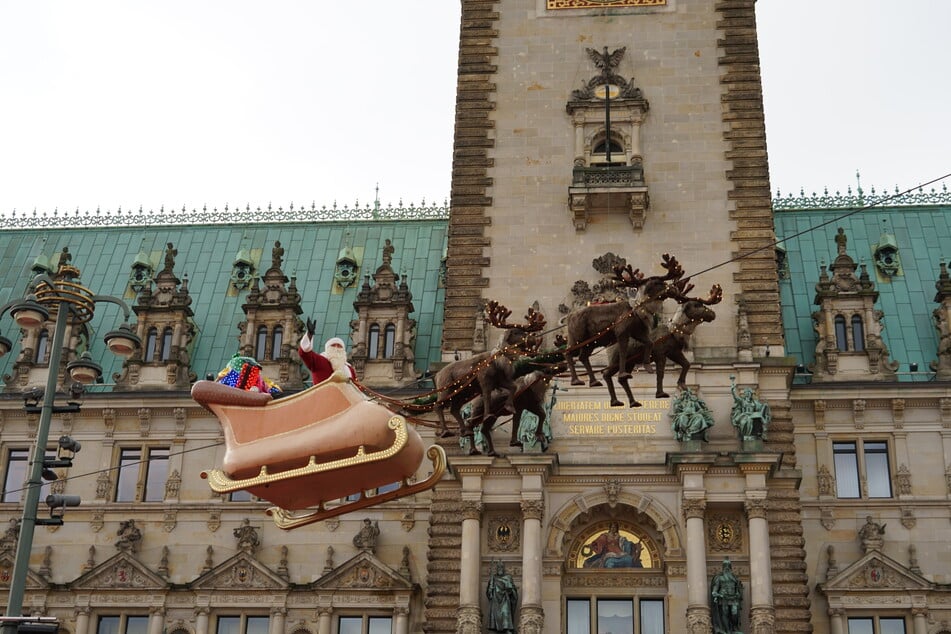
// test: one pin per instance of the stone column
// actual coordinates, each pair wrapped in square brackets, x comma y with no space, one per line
[276,625]
[156,620]
[762,613]
[532,616]
[837,620]
[577,121]
[82,620]
[323,620]
[698,600]
[920,616]
[470,615]
[401,620]
[201,620]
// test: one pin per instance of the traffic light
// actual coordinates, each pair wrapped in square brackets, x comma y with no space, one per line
[58,504]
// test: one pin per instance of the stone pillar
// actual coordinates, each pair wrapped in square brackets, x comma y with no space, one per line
[920,616]
[762,612]
[323,620]
[156,620]
[82,620]
[470,615]
[577,121]
[276,625]
[532,616]
[836,621]
[201,620]
[698,600]
[401,620]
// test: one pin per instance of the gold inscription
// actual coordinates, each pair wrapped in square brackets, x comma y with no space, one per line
[599,4]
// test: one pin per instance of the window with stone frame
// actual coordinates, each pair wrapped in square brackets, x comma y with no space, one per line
[862,468]
[242,624]
[122,624]
[15,475]
[142,472]
[644,615]
[877,625]
[240,496]
[364,624]
[42,346]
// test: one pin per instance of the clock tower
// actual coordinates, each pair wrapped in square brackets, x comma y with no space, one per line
[592,133]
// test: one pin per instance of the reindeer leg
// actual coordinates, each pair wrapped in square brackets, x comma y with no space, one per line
[585,357]
[444,431]
[622,358]
[609,372]
[678,357]
[571,368]
[661,366]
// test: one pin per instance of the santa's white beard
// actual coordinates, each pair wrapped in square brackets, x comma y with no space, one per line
[338,360]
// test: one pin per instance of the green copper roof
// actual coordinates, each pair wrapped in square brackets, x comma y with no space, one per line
[923,238]
[206,254]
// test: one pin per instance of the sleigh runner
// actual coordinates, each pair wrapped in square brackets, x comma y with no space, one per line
[323,444]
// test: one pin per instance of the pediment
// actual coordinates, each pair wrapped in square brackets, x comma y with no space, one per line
[363,572]
[875,571]
[119,572]
[240,572]
[33,580]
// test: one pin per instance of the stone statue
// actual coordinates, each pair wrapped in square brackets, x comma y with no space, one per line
[872,535]
[277,255]
[388,250]
[691,417]
[366,538]
[503,598]
[726,599]
[247,536]
[170,253]
[129,536]
[750,415]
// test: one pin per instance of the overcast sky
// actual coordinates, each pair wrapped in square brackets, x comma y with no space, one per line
[192,102]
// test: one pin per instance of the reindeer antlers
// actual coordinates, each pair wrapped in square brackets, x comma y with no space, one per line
[633,278]
[497,314]
[679,289]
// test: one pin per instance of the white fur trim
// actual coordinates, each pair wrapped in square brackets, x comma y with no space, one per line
[306,343]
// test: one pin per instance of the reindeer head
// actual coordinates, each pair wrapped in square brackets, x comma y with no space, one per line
[694,309]
[649,288]
[517,337]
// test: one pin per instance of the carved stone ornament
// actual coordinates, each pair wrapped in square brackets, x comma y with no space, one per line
[825,481]
[531,619]
[469,620]
[504,533]
[471,510]
[756,508]
[693,507]
[724,533]
[871,535]
[533,509]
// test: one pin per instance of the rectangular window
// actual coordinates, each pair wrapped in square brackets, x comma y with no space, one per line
[846,469]
[876,625]
[876,470]
[616,615]
[242,624]
[240,496]
[862,469]
[17,472]
[142,474]
[122,625]
[364,625]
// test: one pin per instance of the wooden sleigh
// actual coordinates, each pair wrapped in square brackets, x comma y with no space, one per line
[320,445]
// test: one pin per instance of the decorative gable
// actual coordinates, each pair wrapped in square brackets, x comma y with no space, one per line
[875,572]
[165,324]
[364,572]
[848,326]
[119,572]
[33,580]
[383,334]
[241,572]
[272,326]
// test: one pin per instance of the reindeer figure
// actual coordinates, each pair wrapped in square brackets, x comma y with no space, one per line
[668,341]
[461,381]
[619,322]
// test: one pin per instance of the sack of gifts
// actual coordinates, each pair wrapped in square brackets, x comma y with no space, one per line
[244,373]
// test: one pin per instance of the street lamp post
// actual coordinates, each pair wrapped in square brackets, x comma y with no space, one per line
[73,304]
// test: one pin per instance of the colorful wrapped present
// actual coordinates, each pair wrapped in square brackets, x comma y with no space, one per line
[244,373]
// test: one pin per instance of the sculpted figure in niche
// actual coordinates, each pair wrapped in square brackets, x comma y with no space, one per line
[872,534]
[726,597]
[503,598]
[750,415]
[691,417]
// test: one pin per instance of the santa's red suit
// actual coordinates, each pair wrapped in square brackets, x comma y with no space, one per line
[323,365]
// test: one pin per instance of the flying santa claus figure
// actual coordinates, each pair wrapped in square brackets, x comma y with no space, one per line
[333,360]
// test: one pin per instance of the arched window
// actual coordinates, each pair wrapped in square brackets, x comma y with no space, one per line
[389,341]
[277,340]
[150,342]
[167,343]
[858,334]
[599,153]
[260,343]
[42,346]
[840,334]
[373,344]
